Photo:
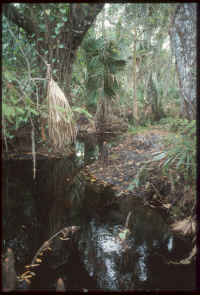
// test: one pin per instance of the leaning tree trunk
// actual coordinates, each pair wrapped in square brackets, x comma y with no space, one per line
[183,43]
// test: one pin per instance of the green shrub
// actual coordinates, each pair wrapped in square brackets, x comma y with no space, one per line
[180,154]
[174,124]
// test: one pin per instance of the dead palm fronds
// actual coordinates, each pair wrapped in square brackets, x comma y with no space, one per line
[62,128]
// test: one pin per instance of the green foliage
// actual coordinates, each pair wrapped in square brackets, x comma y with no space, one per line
[82,111]
[180,156]
[17,106]
[138,129]
[175,124]
[103,66]
[177,160]
[140,178]
[102,60]
[15,116]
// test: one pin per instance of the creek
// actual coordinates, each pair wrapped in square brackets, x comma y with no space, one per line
[97,260]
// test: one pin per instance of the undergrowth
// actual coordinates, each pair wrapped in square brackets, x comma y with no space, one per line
[175,164]
[174,124]
[137,129]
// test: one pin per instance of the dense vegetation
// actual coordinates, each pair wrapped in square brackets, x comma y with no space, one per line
[114,62]
[127,63]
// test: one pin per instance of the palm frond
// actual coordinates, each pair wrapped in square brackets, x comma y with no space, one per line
[62,128]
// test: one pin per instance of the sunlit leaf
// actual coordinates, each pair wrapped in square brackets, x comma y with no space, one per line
[47,11]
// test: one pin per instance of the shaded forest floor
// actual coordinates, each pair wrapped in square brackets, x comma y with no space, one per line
[125,162]
[125,158]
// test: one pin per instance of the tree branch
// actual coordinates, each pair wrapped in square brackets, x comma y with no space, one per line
[82,16]
[11,12]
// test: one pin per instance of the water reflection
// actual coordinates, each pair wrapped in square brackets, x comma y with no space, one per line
[136,264]
[86,152]
[170,244]
[34,210]
[141,262]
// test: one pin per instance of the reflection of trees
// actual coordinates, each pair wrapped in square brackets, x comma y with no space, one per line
[17,192]
[57,187]
[60,193]
[19,214]
[90,150]
[148,241]
[149,227]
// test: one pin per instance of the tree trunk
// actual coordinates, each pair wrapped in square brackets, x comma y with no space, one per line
[183,43]
[135,105]
[58,49]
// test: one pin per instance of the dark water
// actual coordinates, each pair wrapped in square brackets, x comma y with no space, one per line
[33,210]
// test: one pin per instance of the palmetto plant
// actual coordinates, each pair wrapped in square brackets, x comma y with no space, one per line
[181,154]
[103,61]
